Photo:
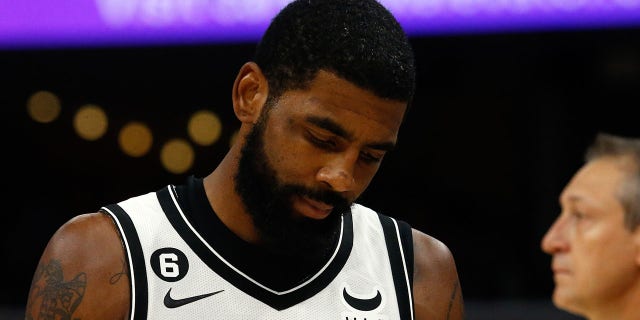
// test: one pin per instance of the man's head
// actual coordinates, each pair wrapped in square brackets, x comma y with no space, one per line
[320,106]
[595,242]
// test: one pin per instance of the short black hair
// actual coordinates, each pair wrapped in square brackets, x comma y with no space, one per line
[357,40]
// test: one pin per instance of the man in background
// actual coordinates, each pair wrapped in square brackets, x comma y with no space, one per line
[595,241]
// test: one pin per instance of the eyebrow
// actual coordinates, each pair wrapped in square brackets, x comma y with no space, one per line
[337,129]
[575,198]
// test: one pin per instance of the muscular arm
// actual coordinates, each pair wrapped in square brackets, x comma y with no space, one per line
[82,273]
[436,287]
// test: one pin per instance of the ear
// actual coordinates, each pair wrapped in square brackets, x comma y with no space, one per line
[250,91]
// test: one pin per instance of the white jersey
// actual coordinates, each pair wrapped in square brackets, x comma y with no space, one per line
[180,270]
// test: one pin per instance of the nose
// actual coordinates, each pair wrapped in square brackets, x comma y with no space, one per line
[554,240]
[338,175]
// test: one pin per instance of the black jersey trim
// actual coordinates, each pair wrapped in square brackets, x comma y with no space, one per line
[277,300]
[397,235]
[406,239]
[138,286]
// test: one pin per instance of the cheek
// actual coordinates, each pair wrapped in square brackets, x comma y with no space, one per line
[364,176]
[608,254]
[289,155]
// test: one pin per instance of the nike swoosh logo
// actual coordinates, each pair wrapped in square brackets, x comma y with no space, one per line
[362,304]
[173,303]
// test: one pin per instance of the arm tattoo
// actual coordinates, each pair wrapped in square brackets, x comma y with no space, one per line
[58,299]
[454,293]
[116,277]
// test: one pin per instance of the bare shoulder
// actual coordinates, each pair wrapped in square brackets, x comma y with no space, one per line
[82,273]
[436,286]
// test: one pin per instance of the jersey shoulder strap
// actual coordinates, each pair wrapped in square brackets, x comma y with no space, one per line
[399,240]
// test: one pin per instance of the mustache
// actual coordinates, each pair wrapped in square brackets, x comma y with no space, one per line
[327,196]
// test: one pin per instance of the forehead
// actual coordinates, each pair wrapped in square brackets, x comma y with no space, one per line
[598,182]
[330,96]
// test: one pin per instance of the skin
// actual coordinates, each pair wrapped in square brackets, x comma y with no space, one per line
[595,258]
[343,157]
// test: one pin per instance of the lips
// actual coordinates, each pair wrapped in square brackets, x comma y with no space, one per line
[559,270]
[312,208]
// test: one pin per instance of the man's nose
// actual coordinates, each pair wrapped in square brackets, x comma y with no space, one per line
[554,240]
[338,174]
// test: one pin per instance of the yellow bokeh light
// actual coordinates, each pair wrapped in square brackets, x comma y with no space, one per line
[135,139]
[177,156]
[90,122]
[43,106]
[204,127]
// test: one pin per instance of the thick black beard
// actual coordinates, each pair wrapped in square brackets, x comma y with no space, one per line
[268,201]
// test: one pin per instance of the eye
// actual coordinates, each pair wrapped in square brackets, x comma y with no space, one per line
[324,143]
[370,158]
[578,215]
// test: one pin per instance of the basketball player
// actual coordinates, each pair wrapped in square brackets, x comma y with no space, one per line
[595,241]
[273,232]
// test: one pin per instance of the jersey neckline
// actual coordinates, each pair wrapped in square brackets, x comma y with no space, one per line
[279,281]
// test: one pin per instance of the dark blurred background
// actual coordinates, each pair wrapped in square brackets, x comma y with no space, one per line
[499,124]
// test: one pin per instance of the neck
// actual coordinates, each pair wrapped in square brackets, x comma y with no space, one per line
[219,186]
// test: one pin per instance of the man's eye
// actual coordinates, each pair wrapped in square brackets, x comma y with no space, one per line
[369,158]
[323,143]
[578,215]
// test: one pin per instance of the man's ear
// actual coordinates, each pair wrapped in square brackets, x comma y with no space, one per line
[250,91]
